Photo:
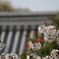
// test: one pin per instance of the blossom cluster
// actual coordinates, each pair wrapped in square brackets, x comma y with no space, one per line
[9,56]
[50,32]
[47,57]
[38,57]
[54,55]
[1,46]
[33,56]
[58,41]
[34,46]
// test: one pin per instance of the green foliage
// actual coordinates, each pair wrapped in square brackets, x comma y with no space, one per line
[55,20]
[6,6]
[46,49]
[23,56]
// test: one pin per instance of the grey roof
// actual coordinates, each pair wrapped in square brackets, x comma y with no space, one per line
[26,13]
[35,18]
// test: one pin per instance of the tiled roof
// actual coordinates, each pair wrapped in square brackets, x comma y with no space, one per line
[26,13]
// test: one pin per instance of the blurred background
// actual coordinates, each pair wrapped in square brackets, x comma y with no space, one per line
[21,17]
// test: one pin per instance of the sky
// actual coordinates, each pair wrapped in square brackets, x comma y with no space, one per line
[37,5]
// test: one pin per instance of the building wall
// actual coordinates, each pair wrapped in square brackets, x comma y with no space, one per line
[15,26]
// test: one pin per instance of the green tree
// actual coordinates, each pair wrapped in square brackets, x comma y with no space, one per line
[6,6]
[22,9]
